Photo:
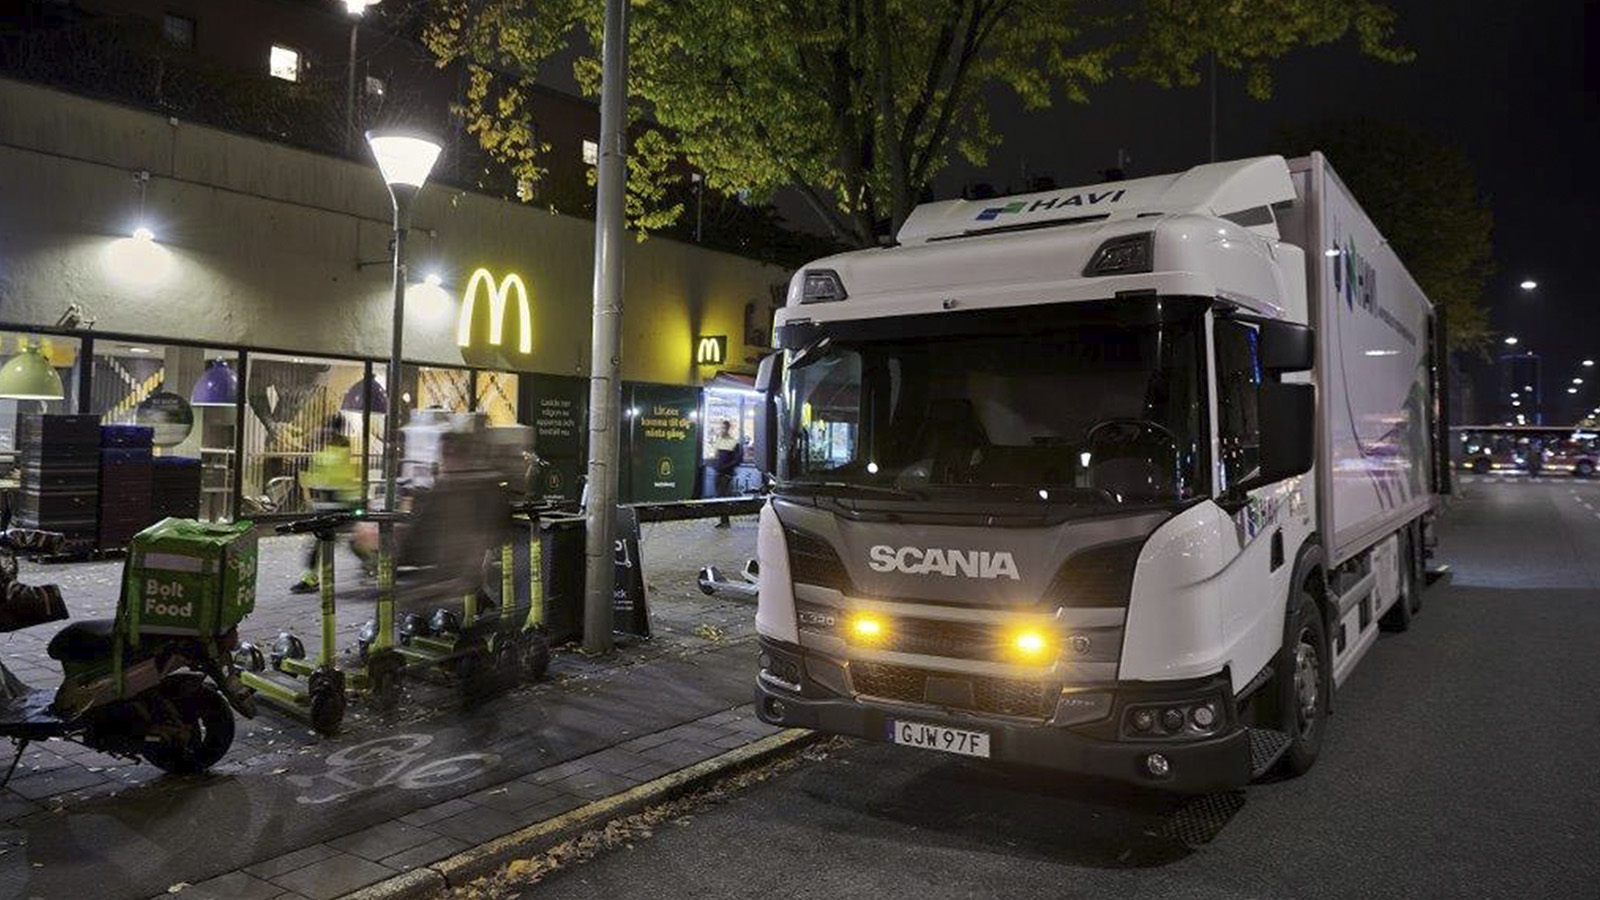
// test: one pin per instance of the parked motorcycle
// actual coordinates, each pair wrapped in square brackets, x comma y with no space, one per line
[167,699]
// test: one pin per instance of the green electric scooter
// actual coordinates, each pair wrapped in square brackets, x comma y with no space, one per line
[490,646]
[317,690]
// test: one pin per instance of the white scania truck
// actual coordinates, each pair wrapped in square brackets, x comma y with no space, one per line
[1118,479]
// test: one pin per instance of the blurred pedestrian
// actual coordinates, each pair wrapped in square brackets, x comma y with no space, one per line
[333,484]
[728,454]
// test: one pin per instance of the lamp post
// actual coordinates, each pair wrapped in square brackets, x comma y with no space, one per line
[355,8]
[405,159]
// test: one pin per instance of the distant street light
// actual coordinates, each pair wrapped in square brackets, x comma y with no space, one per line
[1528,284]
[355,8]
[1588,362]
[1577,381]
[1572,390]
[1511,340]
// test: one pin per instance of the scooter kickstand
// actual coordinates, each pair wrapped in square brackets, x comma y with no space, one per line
[22,747]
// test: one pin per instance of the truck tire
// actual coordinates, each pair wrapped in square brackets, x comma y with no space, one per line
[1303,683]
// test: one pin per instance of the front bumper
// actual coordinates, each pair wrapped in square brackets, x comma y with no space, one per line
[1217,763]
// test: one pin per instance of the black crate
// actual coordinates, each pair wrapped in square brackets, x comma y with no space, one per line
[45,430]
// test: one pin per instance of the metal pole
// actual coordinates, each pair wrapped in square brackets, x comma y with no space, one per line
[605,365]
[350,136]
[402,195]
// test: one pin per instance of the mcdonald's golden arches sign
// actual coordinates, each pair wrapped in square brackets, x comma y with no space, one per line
[711,349]
[500,296]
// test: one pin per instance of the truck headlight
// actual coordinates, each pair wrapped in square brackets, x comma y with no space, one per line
[821,286]
[1030,644]
[1128,254]
[867,628]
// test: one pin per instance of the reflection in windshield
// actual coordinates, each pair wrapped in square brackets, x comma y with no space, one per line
[1099,403]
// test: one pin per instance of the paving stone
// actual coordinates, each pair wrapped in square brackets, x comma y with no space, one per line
[478,825]
[681,753]
[512,796]
[56,781]
[14,807]
[732,741]
[695,732]
[381,840]
[557,772]
[551,808]
[333,877]
[616,760]
[424,854]
[297,859]
[232,886]
[430,814]
[594,785]
[645,742]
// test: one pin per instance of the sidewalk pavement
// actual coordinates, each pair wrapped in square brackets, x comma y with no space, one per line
[288,814]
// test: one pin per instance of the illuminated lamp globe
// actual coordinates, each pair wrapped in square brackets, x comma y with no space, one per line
[404,158]
[29,376]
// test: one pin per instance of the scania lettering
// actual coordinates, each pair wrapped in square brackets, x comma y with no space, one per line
[1122,479]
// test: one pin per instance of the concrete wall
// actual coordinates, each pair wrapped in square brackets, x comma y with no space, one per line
[258,244]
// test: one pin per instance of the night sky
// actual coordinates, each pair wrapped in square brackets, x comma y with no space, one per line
[1509,82]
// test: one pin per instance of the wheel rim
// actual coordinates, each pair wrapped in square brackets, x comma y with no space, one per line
[1307,681]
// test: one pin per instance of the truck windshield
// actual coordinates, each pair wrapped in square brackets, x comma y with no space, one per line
[1090,403]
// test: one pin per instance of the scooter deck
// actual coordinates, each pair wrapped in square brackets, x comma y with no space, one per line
[30,717]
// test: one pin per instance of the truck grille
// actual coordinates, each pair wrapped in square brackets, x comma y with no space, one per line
[994,696]
[955,640]
[813,560]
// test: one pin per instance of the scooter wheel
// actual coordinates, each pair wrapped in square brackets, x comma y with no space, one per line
[248,657]
[190,725]
[384,671]
[533,655]
[287,646]
[327,702]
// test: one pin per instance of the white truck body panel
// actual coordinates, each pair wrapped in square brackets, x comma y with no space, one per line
[1373,334]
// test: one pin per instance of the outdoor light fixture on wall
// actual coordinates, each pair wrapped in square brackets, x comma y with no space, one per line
[29,376]
[218,386]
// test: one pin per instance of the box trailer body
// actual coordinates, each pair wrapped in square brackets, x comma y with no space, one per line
[1117,479]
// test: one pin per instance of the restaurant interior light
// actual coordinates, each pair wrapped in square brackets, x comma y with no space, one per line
[218,386]
[368,394]
[29,376]
[403,158]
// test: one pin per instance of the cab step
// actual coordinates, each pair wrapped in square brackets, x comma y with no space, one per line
[1267,746]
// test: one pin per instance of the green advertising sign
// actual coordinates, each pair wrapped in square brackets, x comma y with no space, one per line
[554,405]
[663,442]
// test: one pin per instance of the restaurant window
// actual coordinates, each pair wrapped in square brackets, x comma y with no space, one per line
[284,62]
[178,31]
[187,397]
[302,436]
[39,375]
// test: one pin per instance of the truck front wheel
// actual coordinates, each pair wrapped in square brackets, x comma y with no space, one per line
[1303,684]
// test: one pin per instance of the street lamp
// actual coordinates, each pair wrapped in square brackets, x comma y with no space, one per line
[1511,340]
[1528,284]
[405,159]
[355,8]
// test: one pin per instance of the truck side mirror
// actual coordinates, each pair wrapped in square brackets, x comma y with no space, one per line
[1286,347]
[768,379]
[1288,418]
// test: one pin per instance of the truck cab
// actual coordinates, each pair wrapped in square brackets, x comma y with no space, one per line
[1045,486]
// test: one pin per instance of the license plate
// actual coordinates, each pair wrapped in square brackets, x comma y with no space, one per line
[939,737]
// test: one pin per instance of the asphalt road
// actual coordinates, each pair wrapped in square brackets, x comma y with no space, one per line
[1459,764]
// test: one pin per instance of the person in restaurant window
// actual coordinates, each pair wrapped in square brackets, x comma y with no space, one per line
[728,454]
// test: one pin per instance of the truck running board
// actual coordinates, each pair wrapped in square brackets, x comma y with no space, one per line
[1267,746]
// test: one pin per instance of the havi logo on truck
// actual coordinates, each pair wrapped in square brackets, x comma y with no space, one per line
[1083,198]
[949,563]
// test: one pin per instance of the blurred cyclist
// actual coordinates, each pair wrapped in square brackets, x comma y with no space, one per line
[333,483]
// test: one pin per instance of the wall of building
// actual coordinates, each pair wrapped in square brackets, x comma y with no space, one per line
[261,244]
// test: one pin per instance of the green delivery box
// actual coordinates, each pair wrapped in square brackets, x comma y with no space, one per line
[185,577]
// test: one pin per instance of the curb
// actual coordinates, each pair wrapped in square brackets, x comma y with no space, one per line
[453,871]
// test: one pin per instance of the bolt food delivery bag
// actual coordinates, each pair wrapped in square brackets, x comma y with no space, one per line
[185,577]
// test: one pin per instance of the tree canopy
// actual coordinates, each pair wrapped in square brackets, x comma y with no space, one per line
[1423,194]
[855,104]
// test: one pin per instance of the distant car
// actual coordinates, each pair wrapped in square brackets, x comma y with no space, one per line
[1530,449]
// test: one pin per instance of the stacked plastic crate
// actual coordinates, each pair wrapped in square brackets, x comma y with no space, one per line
[125,483]
[60,457]
[175,487]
